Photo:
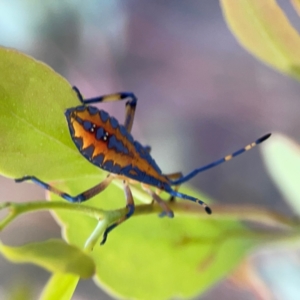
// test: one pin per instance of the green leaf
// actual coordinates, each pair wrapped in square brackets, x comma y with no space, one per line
[282,159]
[264,30]
[53,255]
[147,257]
[34,135]
[60,287]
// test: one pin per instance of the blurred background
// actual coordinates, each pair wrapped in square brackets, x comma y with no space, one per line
[201,96]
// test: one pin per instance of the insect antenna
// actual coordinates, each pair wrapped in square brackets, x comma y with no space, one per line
[220,161]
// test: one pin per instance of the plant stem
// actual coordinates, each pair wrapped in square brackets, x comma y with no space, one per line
[16,209]
[96,234]
[230,212]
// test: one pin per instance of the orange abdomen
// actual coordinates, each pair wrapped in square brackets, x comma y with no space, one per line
[108,145]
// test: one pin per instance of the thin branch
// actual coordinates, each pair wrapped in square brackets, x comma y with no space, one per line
[220,212]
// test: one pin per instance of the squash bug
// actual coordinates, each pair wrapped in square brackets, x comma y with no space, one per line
[110,146]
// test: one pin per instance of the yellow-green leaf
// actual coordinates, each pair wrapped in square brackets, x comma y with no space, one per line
[282,159]
[265,31]
[146,257]
[60,287]
[53,255]
[34,134]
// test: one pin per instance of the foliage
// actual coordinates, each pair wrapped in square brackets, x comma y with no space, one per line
[265,31]
[146,257]
[282,159]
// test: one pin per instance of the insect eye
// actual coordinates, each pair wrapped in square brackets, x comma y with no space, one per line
[92,129]
[89,126]
[105,136]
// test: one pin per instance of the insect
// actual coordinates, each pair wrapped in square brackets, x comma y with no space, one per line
[109,145]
